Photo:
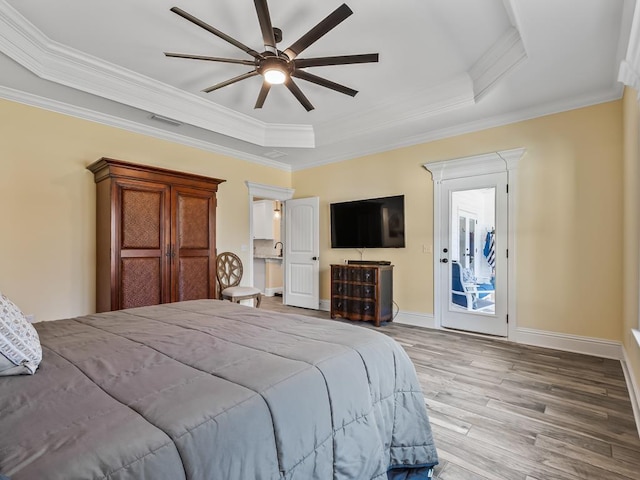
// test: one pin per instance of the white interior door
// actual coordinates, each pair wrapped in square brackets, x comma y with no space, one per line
[301,253]
[473,256]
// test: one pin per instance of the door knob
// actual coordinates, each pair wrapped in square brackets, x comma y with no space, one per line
[444,260]
[314,258]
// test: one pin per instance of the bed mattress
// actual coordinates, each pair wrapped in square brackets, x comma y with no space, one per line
[213,390]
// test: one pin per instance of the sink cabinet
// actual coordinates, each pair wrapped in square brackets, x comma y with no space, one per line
[263,219]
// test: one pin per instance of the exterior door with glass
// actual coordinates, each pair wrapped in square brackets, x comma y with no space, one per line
[473,256]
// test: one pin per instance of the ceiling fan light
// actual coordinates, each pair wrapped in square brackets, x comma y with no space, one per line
[275,76]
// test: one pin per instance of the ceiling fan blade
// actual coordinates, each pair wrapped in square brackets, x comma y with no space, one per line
[335,18]
[262,96]
[216,32]
[211,59]
[293,88]
[268,37]
[230,81]
[309,77]
[340,60]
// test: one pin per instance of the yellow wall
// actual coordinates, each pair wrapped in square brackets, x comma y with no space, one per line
[631,245]
[570,210]
[47,202]
[570,216]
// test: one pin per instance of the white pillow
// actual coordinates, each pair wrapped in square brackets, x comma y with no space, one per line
[19,341]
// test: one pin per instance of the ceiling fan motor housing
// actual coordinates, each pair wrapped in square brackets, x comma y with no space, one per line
[273,62]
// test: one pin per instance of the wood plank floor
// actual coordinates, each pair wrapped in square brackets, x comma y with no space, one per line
[502,411]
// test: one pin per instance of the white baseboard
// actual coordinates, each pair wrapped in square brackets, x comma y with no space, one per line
[632,386]
[570,343]
[426,320]
[270,292]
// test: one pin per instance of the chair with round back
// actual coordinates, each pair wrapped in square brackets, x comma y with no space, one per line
[229,273]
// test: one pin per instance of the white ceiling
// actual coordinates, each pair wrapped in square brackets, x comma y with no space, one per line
[446,67]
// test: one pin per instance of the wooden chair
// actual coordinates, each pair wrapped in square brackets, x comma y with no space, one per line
[229,274]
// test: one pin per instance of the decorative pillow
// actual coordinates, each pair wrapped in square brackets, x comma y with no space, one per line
[19,341]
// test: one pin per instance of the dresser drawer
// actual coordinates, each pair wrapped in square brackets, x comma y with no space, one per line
[365,275]
[339,273]
[340,288]
[361,290]
[339,307]
[361,310]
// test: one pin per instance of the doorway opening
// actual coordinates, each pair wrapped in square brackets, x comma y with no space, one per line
[264,269]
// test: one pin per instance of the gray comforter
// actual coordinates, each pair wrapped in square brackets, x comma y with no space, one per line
[213,390]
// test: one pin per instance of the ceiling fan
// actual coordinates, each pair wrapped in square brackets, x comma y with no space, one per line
[280,67]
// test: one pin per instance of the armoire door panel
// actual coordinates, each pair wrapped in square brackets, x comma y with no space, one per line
[194,213]
[141,213]
[193,235]
[193,278]
[140,282]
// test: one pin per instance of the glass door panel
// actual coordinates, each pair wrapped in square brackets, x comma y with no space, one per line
[473,277]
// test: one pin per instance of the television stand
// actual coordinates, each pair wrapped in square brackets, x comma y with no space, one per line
[362,292]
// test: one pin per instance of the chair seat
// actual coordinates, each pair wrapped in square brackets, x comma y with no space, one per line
[236,292]
[482,305]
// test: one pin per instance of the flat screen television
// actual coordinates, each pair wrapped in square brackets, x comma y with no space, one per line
[370,223]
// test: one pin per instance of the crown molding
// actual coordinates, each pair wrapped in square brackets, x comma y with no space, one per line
[294,136]
[135,127]
[25,44]
[503,56]
[614,93]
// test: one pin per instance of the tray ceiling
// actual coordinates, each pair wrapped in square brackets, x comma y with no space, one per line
[446,67]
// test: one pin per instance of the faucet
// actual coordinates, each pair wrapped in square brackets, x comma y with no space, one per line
[281,247]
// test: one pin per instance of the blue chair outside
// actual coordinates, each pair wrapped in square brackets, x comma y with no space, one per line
[470,294]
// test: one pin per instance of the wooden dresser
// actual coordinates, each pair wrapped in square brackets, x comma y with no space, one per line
[362,292]
[155,233]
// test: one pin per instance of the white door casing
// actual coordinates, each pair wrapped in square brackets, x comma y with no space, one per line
[302,250]
[495,162]
[266,192]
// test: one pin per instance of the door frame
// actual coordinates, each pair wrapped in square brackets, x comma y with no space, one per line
[269,192]
[495,162]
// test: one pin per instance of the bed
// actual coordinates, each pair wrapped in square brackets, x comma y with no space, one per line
[213,390]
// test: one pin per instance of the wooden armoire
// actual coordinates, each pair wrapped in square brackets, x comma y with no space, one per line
[156,235]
